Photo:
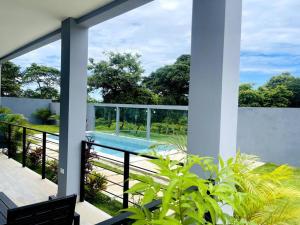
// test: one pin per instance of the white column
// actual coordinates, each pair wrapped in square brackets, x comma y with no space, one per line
[73,104]
[213,98]
[148,123]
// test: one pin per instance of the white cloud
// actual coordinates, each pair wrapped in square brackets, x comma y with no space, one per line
[161,31]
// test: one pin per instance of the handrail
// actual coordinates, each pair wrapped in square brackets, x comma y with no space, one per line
[29,128]
[23,142]
[121,150]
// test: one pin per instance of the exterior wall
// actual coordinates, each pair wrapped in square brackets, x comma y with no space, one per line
[25,106]
[270,133]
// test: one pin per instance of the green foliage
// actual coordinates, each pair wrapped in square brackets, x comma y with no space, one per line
[52,170]
[180,205]
[171,82]
[118,78]
[11,80]
[96,183]
[269,200]
[107,204]
[43,114]
[280,91]
[276,97]
[46,81]
[34,158]
[5,110]
[16,132]
[260,198]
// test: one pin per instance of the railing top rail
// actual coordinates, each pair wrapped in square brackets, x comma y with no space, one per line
[120,150]
[169,107]
[29,128]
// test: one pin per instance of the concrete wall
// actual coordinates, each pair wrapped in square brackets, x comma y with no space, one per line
[271,133]
[25,106]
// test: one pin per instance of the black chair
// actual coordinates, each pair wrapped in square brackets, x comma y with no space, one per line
[59,211]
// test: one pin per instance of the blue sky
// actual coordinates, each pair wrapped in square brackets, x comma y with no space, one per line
[160,31]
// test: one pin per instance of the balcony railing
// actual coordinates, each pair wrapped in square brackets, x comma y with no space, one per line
[126,167]
[31,147]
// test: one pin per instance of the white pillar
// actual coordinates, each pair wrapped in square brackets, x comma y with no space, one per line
[73,104]
[213,98]
[148,123]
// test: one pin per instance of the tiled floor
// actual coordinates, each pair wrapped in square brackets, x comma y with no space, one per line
[25,187]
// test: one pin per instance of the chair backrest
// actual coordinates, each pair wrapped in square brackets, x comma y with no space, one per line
[59,211]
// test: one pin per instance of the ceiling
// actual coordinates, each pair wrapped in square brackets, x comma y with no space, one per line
[23,21]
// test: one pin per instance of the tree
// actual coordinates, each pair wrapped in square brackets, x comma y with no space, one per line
[248,97]
[45,80]
[276,97]
[171,82]
[295,88]
[11,80]
[119,79]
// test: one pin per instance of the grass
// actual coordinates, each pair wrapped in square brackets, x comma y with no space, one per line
[106,204]
[47,128]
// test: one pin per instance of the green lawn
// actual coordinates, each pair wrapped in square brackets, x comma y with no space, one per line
[47,128]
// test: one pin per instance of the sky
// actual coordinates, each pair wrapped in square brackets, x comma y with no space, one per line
[161,31]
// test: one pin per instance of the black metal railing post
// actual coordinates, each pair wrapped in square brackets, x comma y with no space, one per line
[126,179]
[44,155]
[9,145]
[24,152]
[82,171]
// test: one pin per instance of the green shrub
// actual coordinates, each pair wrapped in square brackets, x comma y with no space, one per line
[52,170]
[95,183]
[16,132]
[5,110]
[43,114]
[34,158]
[183,206]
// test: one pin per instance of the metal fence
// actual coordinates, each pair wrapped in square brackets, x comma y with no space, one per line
[31,147]
[119,168]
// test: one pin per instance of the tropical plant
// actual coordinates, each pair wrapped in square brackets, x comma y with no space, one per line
[254,197]
[43,114]
[182,205]
[34,158]
[13,140]
[96,183]
[268,201]
[5,110]
[52,170]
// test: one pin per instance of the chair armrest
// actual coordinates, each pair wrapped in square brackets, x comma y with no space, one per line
[7,202]
[76,215]
[5,205]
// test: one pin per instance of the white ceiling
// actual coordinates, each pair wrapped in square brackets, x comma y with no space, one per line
[23,21]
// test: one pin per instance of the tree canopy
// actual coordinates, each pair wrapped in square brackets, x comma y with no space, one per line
[282,90]
[171,82]
[119,79]
[11,80]
[44,80]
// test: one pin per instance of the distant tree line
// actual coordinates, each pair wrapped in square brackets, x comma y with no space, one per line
[119,78]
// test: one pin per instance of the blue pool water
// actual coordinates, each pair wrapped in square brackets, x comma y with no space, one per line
[131,144]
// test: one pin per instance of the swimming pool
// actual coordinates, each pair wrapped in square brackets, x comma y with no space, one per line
[127,143]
